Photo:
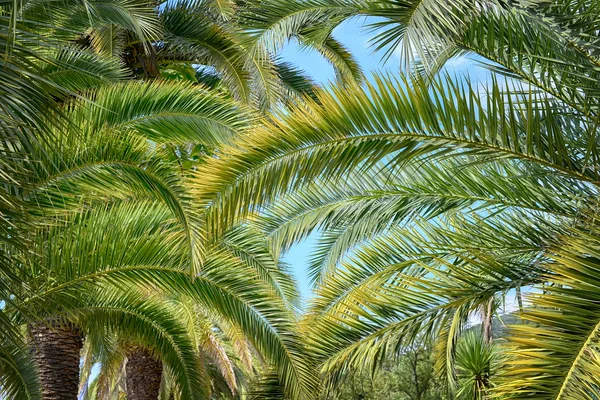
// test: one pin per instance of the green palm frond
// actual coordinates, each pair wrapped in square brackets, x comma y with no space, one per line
[266,87]
[238,343]
[108,153]
[575,20]
[273,23]
[78,70]
[538,55]
[192,35]
[346,67]
[150,324]
[451,331]
[164,113]
[267,387]
[296,81]
[18,375]
[29,97]
[370,203]
[556,356]
[72,18]
[374,306]
[251,73]
[535,42]
[208,343]
[420,26]
[108,40]
[395,122]
[247,246]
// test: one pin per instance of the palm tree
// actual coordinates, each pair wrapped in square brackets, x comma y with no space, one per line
[86,246]
[107,157]
[241,252]
[113,154]
[226,357]
[476,363]
[111,151]
[204,40]
[39,72]
[435,196]
[86,286]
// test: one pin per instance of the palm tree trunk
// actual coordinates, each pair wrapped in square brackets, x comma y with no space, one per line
[487,321]
[143,375]
[56,350]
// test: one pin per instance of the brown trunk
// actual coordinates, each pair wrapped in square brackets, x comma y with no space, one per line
[142,60]
[143,373]
[56,350]
[487,321]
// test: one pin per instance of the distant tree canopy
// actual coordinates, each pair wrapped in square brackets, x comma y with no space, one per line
[409,377]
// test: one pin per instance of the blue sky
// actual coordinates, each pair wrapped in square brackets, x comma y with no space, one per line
[355,38]
[354,35]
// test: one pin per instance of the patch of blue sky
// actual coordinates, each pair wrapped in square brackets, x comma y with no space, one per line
[358,39]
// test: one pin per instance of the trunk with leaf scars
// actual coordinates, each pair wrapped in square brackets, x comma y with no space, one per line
[143,373]
[56,350]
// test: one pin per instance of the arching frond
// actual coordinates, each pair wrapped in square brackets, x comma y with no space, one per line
[18,375]
[78,70]
[150,324]
[274,23]
[192,35]
[346,67]
[246,244]
[556,357]
[420,26]
[70,18]
[164,113]
[295,81]
[393,122]
[353,210]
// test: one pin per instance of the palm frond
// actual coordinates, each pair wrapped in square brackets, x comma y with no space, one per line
[191,35]
[78,70]
[360,207]
[72,18]
[164,113]
[296,81]
[346,67]
[151,325]
[18,374]
[420,26]
[390,122]
[556,357]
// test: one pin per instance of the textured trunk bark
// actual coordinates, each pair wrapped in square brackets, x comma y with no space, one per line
[56,350]
[487,322]
[143,373]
